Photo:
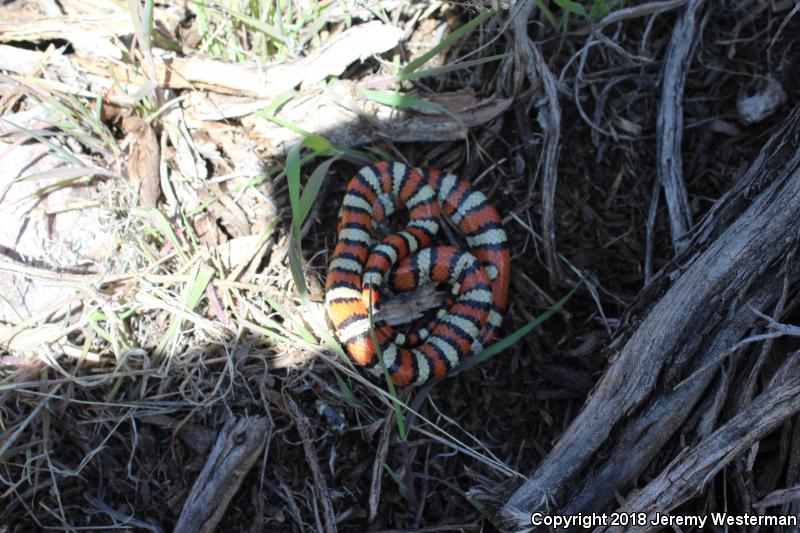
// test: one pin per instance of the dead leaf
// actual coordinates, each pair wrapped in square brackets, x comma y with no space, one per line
[233,218]
[143,160]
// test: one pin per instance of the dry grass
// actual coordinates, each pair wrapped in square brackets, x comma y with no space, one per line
[133,332]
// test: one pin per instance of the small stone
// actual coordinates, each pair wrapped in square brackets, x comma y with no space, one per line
[761,105]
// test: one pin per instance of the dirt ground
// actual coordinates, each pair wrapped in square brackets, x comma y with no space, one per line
[165,359]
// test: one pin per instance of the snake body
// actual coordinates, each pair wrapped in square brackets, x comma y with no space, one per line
[358,268]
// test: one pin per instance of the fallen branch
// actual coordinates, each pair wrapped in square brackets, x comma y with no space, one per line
[249,79]
[345,116]
[689,473]
[732,264]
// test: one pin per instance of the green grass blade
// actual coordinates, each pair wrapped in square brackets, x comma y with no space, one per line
[198,288]
[301,329]
[395,477]
[63,154]
[455,488]
[261,329]
[311,190]
[163,226]
[279,101]
[114,389]
[94,322]
[333,345]
[413,102]
[571,6]
[547,13]
[314,139]
[296,266]
[203,24]
[396,405]
[447,42]
[320,145]
[515,337]
[193,293]
[347,393]
[147,25]
[256,24]
[293,183]
[402,100]
[598,10]
[435,71]
[65,176]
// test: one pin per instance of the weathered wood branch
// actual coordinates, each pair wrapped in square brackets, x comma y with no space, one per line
[239,444]
[669,123]
[678,334]
[680,480]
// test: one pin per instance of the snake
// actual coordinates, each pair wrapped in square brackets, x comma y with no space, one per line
[361,265]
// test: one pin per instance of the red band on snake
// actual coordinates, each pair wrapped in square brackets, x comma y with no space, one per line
[358,268]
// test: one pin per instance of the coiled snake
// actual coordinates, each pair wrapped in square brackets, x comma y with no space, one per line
[358,268]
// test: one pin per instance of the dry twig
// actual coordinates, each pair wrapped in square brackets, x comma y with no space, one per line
[320,486]
[669,126]
[537,71]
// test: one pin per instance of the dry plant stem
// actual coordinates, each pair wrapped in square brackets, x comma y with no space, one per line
[642,10]
[121,519]
[780,496]
[688,474]
[320,486]
[669,123]
[377,465]
[793,465]
[11,265]
[239,444]
[755,370]
[537,71]
[650,231]
[745,233]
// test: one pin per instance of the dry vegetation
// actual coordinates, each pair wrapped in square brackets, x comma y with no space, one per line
[165,361]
